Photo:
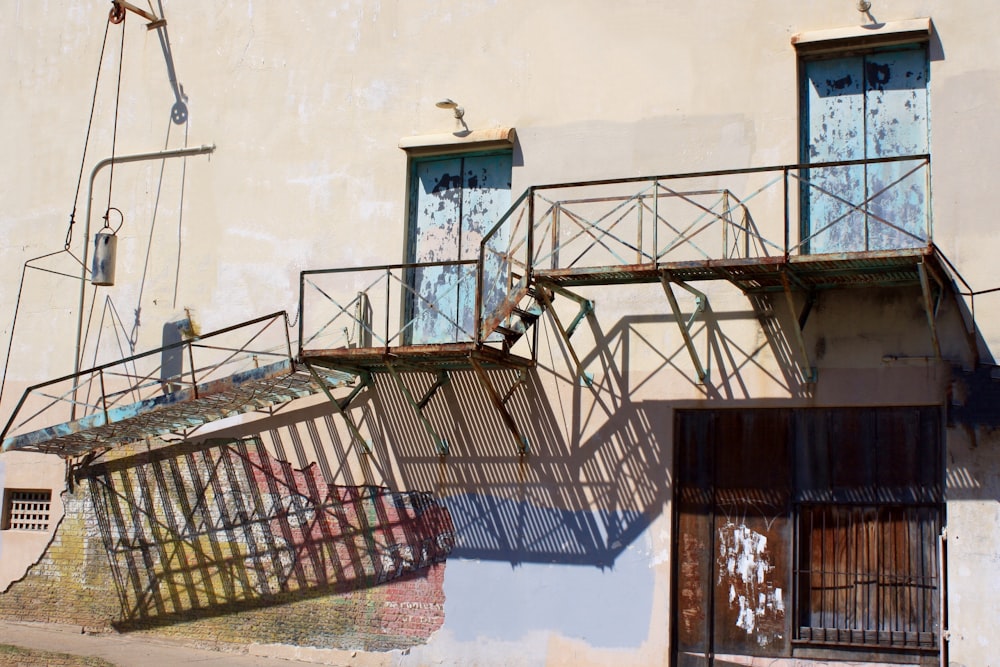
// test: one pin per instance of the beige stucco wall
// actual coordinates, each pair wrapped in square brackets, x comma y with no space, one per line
[973,545]
[19,549]
[307,106]
[306,103]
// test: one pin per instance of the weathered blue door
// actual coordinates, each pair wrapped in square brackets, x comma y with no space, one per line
[455,200]
[865,107]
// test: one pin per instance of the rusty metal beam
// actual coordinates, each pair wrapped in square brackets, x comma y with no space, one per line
[418,406]
[365,381]
[701,301]
[500,403]
[807,370]
[586,308]
[930,309]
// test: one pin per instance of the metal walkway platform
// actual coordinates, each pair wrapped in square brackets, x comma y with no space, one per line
[135,398]
[764,274]
[173,412]
[450,356]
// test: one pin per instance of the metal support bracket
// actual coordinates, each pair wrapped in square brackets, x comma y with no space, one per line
[500,402]
[418,406]
[701,302]
[342,406]
[586,308]
[930,307]
[806,369]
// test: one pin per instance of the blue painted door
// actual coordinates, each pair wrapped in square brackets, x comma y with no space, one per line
[865,107]
[455,201]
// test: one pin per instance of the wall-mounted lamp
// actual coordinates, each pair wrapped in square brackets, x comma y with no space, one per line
[447,103]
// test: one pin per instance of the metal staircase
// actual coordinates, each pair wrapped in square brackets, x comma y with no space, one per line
[752,228]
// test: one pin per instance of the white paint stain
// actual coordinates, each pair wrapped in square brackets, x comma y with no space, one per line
[745,569]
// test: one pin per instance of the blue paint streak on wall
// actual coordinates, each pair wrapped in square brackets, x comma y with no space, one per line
[518,569]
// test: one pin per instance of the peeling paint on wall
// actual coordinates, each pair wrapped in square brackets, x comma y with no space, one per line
[744,568]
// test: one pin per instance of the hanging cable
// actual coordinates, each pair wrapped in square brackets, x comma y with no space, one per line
[114,131]
[17,306]
[68,241]
[86,139]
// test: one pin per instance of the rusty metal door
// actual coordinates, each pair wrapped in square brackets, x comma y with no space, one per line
[733,534]
[861,108]
[454,201]
[812,529]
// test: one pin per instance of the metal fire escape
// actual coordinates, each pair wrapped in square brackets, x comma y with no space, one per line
[778,234]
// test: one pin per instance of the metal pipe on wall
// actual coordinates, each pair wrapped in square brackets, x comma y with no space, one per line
[119,159]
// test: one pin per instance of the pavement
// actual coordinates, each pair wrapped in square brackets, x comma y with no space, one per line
[138,649]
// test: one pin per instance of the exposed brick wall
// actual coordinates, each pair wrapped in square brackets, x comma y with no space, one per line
[224,543]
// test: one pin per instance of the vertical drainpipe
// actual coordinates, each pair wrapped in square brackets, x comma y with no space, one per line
[139,157]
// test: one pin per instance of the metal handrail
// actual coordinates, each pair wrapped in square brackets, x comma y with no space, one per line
[386,273]
[528,232]
[797,166]
[144,380]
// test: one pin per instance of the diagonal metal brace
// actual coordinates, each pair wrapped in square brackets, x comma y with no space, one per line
[500,403]
[808,371]
[342,406]
[931,308]
[586,308]
[701,302]
[418,406]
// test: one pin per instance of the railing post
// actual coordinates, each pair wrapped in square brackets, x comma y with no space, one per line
[556,208]
[656,220]
[194,378]
[480,285]
[746,230]
[929,222]
[402,306]
[104,397]
[787,212]
[302,316]
[288,341]
[530,268]
[638,240]
[726,221]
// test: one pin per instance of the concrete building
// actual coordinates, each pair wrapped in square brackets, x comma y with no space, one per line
[440,332]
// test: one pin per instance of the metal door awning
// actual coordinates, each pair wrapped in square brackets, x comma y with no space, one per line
[172,389]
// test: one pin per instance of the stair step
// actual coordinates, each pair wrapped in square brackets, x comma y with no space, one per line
[531,314]
[510,335]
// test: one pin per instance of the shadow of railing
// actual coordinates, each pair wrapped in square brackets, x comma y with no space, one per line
[579,501]
[192,533]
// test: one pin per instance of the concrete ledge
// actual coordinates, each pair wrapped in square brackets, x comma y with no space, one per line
[496,137]
[910,31]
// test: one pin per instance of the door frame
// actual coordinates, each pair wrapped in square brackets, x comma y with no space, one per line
[414,159]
